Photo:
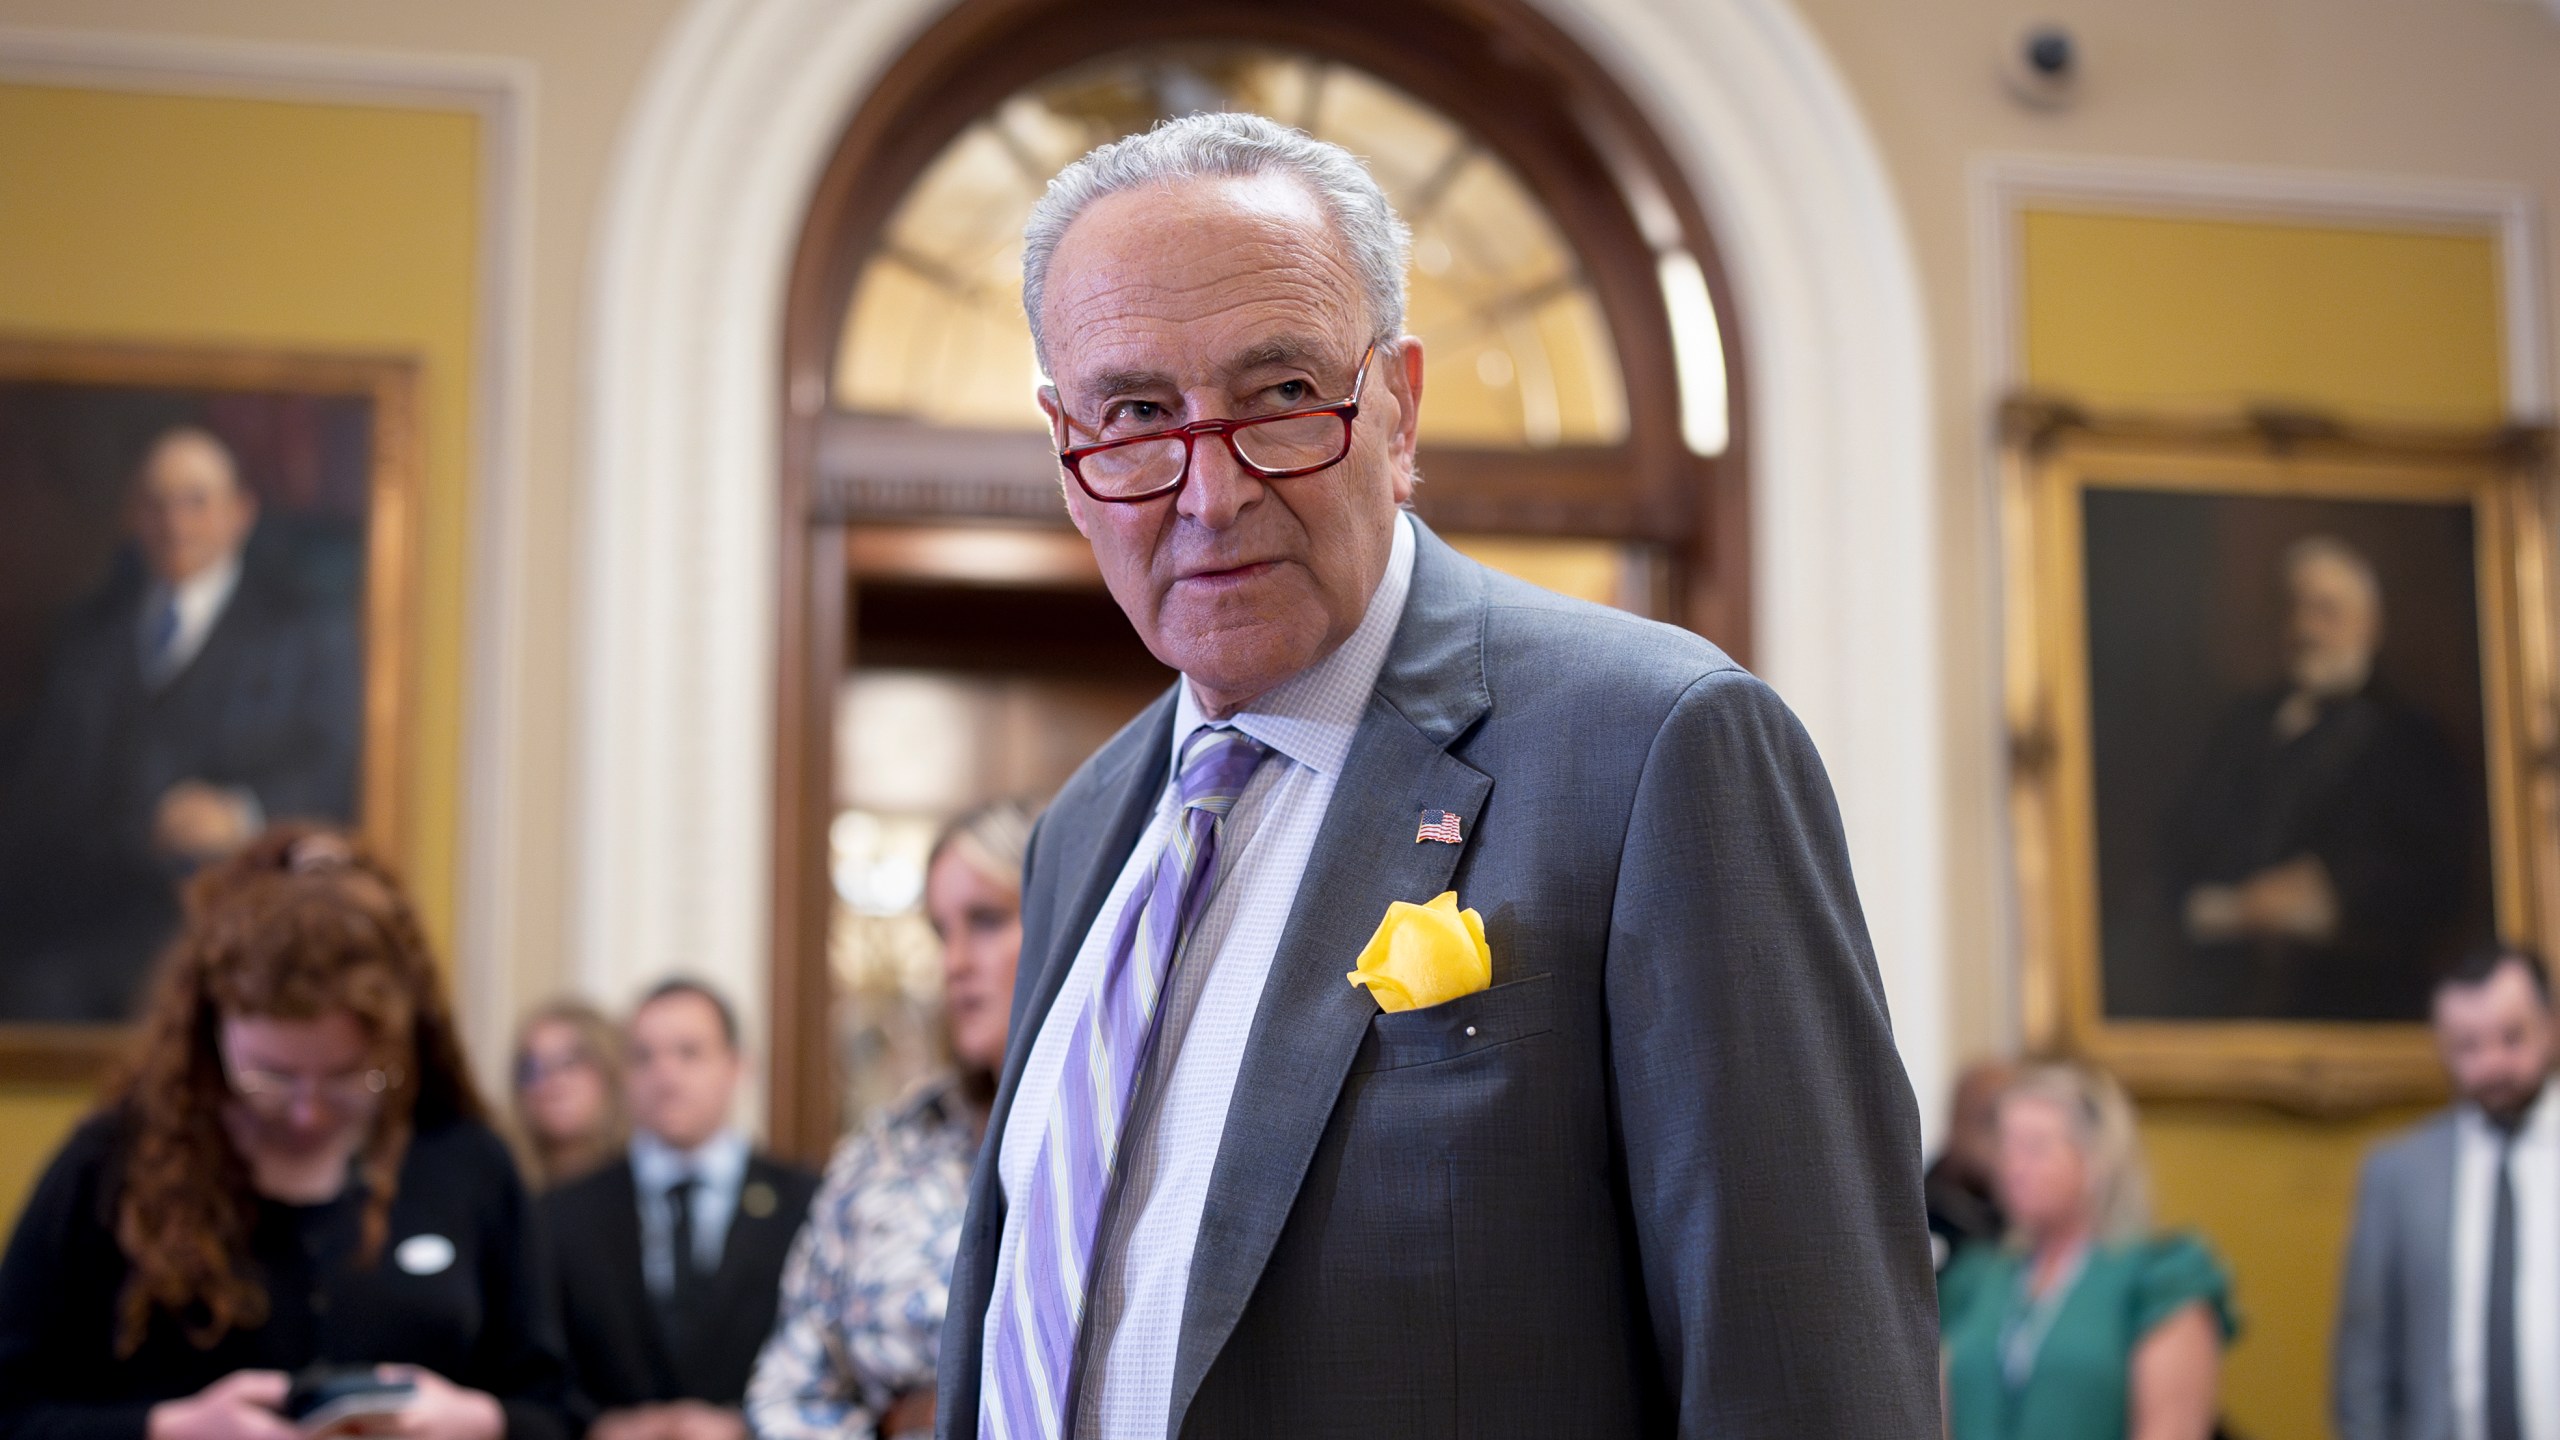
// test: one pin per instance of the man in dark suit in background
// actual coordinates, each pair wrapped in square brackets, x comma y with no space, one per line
[1617,1143]
[179,715]
[669,1266]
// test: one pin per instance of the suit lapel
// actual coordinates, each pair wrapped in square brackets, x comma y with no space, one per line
[1311,1020]
[220,639]
[1130,785]
[737,1248]
[2430,1219]
[620,1223]
[1128,778]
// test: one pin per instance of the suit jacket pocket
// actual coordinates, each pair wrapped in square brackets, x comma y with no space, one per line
[1490,1017]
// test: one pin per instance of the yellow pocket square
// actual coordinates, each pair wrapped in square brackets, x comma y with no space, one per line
[1423,955]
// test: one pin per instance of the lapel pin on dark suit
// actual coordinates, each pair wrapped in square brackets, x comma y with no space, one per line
[757,1199]
[1440,825]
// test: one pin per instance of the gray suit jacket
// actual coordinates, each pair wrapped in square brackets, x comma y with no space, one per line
[1663,1177]
[2391,1377]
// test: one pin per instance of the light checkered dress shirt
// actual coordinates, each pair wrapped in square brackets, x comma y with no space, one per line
[1179,1111]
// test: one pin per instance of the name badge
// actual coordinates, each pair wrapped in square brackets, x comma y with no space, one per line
[424,1255]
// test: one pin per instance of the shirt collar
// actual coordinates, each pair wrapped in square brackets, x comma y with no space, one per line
[200,596]
[2541,1123]
[1311,716]
[719,1162]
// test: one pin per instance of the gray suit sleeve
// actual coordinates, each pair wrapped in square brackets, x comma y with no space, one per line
[1769,1139]
[2365,1357]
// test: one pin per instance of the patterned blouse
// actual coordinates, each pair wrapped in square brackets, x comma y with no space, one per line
[862,1298]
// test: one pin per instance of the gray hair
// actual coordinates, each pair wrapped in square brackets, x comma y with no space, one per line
[1229,146]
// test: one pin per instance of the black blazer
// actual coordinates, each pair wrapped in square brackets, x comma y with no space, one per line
[618,1352]
[458,1290]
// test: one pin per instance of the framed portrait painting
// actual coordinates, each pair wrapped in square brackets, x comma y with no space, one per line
[204,593]
[2279,699]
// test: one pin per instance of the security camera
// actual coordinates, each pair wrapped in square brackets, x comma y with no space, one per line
[2042,67]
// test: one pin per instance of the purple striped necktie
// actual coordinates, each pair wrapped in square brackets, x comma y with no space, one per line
[1032,1357]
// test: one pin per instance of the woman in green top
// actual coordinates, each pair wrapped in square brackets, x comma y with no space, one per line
[2084,1325]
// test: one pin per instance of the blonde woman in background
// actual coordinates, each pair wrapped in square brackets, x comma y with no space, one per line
[2085,1324]
[854,1348]
[566,1089]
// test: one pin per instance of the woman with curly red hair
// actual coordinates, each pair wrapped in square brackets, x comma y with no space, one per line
[294,1172]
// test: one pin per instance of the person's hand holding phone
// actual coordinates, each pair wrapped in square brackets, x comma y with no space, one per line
[242,1405]
[441,1410]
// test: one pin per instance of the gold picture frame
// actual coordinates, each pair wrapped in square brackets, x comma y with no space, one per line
[2082,954]
[235,381]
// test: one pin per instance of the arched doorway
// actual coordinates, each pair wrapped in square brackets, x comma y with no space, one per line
[1582,427]
[672,823]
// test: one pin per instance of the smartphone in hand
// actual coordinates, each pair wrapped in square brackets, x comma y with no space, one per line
[342,1400]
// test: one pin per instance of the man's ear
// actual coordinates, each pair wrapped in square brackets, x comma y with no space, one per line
[1404,381]
[1056,410]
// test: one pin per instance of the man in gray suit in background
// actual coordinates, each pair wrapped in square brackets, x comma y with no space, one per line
[2449,1327]
[1648,1166]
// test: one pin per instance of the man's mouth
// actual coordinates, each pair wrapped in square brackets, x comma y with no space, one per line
[1230,575]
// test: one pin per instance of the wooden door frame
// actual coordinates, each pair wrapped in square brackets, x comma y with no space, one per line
[1578,152]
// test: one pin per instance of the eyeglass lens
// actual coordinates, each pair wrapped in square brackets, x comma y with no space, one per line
[267,1090]
[533,1069]
[1296,442]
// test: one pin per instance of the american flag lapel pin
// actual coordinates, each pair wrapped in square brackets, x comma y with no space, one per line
[1440,825]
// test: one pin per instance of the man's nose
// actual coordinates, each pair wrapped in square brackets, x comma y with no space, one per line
[1219,489]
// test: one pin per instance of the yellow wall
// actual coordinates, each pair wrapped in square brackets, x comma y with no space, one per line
[229,222]
[2151,312]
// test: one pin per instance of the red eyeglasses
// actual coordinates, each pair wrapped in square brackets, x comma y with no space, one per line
[1127,469]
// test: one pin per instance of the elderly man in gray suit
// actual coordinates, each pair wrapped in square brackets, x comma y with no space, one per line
[2449,1328]
[1611,1142]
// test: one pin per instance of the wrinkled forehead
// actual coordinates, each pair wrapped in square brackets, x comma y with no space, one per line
[1196,277]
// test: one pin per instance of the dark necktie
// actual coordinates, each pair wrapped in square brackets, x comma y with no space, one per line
[2505,1418]
[684,1292]
[158,639]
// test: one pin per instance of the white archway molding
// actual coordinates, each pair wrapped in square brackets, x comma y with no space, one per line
[1844,524]
[698,231]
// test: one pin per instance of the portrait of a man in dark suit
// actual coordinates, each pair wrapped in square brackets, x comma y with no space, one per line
[2321,849]
[2291,796]
[192,697]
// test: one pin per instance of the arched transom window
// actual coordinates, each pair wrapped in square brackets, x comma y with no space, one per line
[1520,354]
